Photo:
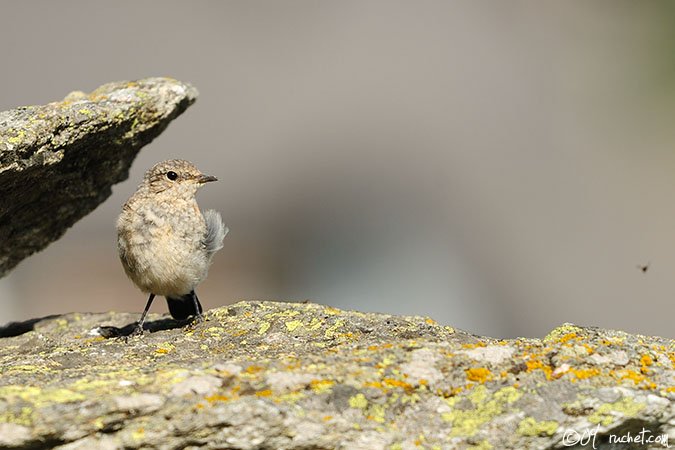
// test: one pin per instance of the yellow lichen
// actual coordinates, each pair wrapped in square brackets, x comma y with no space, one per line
[508,394]
[321,386]
[38,396]
[376,413]
[264,327]
[24,417]
[467,422]
[561,331]
[331,331]
[607,413]
[530,427]
[138,434]
[358,401]
[293,325]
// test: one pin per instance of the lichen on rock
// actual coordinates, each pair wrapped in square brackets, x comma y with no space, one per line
[296,376]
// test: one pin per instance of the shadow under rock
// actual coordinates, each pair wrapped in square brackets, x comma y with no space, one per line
[18,328]
[149,326]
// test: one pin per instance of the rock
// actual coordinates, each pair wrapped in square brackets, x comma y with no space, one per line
[296,376]
[59,161]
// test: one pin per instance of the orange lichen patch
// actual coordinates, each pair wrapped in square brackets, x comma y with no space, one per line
[449,393]
[362,359]
[327,418]
[645,362]
[636,377]
[373,384]
[423,382]
[264,393]
[536,364]
[568,337]
[216,398]
[670,389]
[583,374]
[391,382]
[378,347]
[254,369]
[319,386]
[479,374]
[430,321]
[588,348]
[475,345]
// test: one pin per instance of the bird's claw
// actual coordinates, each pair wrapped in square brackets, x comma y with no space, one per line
[138,331]
[196,320]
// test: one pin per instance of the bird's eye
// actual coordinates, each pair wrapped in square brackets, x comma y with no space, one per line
[171,175]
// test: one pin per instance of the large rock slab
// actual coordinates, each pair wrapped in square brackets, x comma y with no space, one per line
[58,161]
[263,375]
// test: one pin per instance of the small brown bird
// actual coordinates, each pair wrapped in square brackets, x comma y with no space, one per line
[164,242]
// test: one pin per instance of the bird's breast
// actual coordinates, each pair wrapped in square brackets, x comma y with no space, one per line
[160,247]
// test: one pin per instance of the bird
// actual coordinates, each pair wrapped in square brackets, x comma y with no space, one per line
[165,243]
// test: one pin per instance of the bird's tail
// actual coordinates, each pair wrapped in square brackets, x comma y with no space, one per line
[185,306]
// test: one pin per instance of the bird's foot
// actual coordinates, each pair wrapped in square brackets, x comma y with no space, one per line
[199,318]
[194,321]
[138,331]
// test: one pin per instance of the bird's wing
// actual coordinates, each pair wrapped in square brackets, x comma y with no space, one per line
[215,232]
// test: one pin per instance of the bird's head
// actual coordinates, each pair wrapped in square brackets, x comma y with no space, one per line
[177,176]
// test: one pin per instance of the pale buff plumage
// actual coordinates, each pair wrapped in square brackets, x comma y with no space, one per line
[165,243]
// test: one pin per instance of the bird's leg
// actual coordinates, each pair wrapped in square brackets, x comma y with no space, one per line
[199,317]
[139,326]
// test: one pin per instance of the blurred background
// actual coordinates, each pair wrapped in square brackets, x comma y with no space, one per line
[502,167]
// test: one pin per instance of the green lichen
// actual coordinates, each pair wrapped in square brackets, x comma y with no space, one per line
[332,330]
[39,397]
[508,394]
[486,407]
[358,401]
[27,368]
[293,325]
[561,331]
[607,413]
[23,417]
[530,427]
[264,327]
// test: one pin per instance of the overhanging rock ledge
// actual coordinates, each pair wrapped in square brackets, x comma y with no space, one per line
[58,161]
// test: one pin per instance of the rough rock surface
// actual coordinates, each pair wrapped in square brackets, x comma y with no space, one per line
[264,375]
[58,161]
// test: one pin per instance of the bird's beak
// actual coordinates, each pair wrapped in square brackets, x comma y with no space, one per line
[206,178]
